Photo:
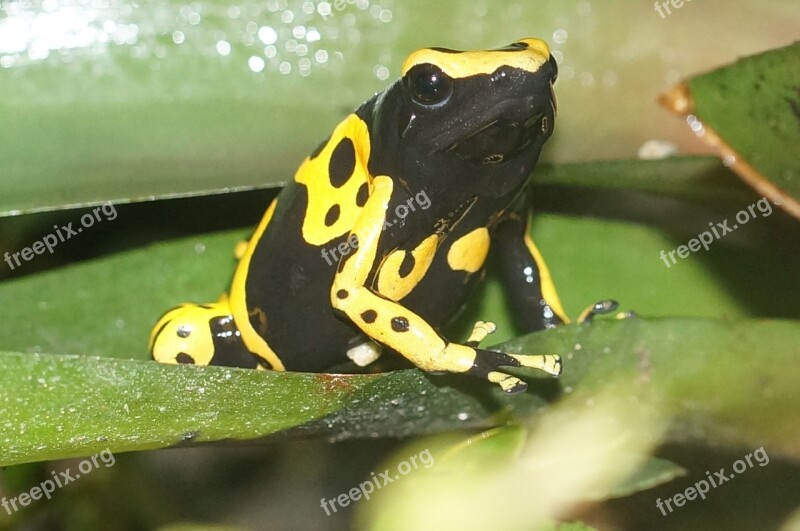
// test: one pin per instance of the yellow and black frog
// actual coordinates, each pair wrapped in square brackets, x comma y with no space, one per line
[385,229]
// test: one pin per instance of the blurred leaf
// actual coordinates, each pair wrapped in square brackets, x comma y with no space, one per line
[702,179]
[577,451]
[750,111]
[655,471]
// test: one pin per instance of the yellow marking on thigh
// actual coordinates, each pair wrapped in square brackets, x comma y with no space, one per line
[333,210]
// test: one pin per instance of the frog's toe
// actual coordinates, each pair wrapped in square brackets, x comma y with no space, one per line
[509,384]
[599,308]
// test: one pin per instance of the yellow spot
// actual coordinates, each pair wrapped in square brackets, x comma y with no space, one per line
[468,253]
[465,64]
[390,284]
[322,195]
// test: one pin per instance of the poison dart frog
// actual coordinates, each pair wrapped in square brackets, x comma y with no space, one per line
[386,227]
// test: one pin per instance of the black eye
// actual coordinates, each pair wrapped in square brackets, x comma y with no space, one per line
[428,85]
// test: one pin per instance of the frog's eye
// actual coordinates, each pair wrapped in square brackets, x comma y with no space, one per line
[428,85]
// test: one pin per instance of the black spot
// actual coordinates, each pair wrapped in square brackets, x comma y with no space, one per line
[400,324]
[407,265]
[205,306]
[319,148]
[184,332]
[342,294]
[184,358]
[333,215]
[342,163]
[362,195]
[369,316]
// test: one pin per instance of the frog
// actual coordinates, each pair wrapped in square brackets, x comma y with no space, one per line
[386,228]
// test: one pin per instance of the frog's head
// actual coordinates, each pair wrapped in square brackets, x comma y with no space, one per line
[484,113]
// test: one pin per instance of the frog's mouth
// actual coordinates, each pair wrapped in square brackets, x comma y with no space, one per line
[497,141]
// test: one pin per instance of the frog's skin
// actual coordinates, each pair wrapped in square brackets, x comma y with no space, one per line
[409,194]
[201,334]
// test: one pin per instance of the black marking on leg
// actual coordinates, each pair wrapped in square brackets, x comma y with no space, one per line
[184,358]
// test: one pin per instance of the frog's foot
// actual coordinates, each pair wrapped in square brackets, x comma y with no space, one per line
[598,308]
[487,365]
[480,330]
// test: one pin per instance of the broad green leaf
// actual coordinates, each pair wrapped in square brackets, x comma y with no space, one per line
[750,110]
[729,382]
[146,100]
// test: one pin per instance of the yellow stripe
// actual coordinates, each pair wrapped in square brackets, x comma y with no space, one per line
[548,287]
[254,342]
[465,64]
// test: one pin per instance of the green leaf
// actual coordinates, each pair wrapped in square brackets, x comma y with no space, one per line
[728,382]
[750,110]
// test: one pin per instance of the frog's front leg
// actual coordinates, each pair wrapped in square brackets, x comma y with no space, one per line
[392,324]
[527,279]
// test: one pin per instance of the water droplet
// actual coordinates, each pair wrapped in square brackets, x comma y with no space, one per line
[268,35]
[223,48]
[256,64]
